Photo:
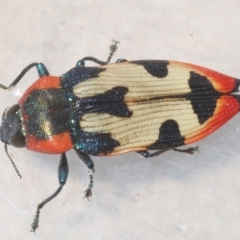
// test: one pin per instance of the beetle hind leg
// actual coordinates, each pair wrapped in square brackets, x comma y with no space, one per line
[190,150]
[146,154]
[62,178]
[87,161]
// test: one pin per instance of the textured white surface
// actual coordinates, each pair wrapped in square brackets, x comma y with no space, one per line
[173,196]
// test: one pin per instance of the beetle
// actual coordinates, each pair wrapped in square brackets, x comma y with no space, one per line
[117,108]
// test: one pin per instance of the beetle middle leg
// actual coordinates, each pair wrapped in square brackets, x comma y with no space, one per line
[113,48]
[62,178]
[90,165]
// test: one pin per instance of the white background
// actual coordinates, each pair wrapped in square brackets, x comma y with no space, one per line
[173,196]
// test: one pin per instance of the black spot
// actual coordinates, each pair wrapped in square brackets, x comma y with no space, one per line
[94,143]
[203,96]
[155,68]
[48,113]
[111,102]
[169,136]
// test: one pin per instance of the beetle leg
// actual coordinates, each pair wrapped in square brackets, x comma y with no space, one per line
[147,154]
[190,150]
[62,178]
[113,48]
[81,63]
[90,165]
[42,71]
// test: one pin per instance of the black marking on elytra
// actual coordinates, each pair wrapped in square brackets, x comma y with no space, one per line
[203,96]
[155,68]
[79,74]
[111,102]
[169,136]
[48,112]
[94,143]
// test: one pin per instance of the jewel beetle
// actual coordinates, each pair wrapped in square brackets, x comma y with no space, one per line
[117,108]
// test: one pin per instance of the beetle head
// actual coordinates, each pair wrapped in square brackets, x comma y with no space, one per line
[11,127]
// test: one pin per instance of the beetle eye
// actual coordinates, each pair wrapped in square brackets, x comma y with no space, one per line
[12,110]
[18,140]
[10,131]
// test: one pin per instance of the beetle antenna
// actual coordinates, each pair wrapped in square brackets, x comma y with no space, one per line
[113,48]
[15,167]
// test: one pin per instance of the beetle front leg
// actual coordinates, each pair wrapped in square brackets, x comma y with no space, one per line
[62,178]
[41,69]
[90,165]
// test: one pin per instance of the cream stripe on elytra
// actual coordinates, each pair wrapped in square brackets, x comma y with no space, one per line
[139,82]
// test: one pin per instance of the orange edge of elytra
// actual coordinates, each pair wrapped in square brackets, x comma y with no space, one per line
[220,81]
[227,106]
